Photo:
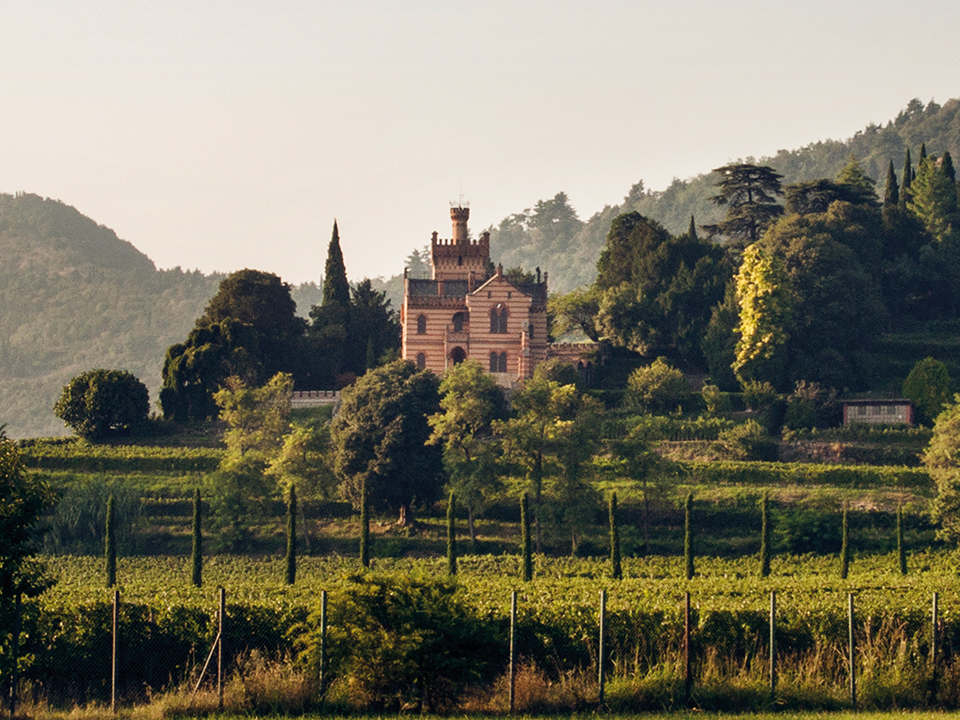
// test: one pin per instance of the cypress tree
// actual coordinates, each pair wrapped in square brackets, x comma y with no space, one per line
[901,546]
[845,545]
[692,230]
[905,181]
[197,551]
[891,195]
[616,570]
[111,544]
[688,535]
[452,536]
[291,574]
[923,154]
[946,164]
[765,536]
[364,527]
[527,543]
[336,289]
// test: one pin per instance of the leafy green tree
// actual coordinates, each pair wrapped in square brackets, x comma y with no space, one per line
[25,499]
[290,574]
[100,403]
[928,386]
[749,192]
[257,421]
[577,310]
[763,296]
[658,387]
[942,461]
[196,554]
[470,401]
[249,329]
[379,439]
[633,457]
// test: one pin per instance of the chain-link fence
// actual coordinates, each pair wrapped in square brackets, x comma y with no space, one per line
[391,646]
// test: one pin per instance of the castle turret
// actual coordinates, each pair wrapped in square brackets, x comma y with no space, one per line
[459,216]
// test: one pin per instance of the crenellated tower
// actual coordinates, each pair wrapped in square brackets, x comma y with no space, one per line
[459,258]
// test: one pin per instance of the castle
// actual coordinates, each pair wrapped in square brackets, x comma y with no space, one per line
[468,311]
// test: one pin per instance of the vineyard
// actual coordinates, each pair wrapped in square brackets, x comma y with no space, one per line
[167,627]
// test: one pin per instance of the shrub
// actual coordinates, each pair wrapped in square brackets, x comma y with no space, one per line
[928,386]
[402,640]
[657,387]
[98,403]
[747,441]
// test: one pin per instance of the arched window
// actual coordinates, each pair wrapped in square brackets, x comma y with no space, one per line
[422,325]
[421,361]
[458,355]
[498,319]
[502,363]
[494,362]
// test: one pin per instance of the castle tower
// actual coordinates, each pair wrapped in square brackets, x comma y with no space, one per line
[459,258]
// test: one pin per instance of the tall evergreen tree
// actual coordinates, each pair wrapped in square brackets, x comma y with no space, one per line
[616,569]
[291,573]
[692,230]
[765,536]
[336,289]
[923,154]
[527,541]
[197,550]
[901,545]
[906,180]
[364,526]
[891,194]
[452,536]
[845,544]
[111,544]
[688,535]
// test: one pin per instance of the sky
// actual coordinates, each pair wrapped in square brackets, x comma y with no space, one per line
[230,134]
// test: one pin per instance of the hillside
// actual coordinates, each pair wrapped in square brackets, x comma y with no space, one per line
[568,248]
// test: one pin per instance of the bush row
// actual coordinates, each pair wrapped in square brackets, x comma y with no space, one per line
[764,473]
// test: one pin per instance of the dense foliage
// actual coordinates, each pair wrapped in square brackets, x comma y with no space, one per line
[101,403]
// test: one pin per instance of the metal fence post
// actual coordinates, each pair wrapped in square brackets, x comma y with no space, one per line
[773,646]
[113,661]
[601,650]
[687,654]
[323,642]
[513,650]
[853,653]
[222,614]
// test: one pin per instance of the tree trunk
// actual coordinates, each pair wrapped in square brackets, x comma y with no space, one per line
[406,516]
[470,525]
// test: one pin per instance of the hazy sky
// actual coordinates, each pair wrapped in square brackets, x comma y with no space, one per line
[223,135]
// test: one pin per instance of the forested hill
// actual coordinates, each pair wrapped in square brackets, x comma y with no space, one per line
[551,236]
[74,296]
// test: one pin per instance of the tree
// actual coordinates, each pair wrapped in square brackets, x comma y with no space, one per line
[110,545]
[577,310]
[688,550]
[526,546]
[749,192]
[633,457]
[197,545]
[763,296]
[891,193]
[658,387]
[374,329]
[25,499]
[928,386]
[257,421]
[933,196]
[290,574]
[901,544]
[100,403]
[942,460]
[452,535]
[616,569]
[765,536]
[249,329]
[470,401]
[336,289]
[845,543]
[379,439]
